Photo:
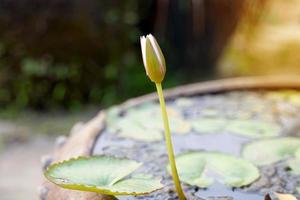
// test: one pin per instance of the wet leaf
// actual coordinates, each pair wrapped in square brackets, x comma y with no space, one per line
[177,124]
[101,174]
[253,128]
[133,130]
[268,151]
[208,125]
[294,164]
[145,123]
[201,168]
[297,153]
[284,196]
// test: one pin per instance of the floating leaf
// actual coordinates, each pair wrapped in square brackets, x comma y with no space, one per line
[101,174]
[268,151]
[190,167]
[137,132]
[208,125]
[195,167]
[144,123]
[297,153]
[253,128]
[177,124]
[294,164]
[284,196]
[183,102]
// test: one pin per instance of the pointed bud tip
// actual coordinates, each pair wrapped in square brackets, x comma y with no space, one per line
[153,58]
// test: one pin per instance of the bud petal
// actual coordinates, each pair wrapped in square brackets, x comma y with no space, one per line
[153,59]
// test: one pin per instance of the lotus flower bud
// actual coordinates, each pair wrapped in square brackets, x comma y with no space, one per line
[153,59]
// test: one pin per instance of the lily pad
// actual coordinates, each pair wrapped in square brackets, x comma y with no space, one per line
[145,123]
[101,174]
[201,168]
[297,153]
[253,128]
[131,129]
[177,124]
[208,125]
[294,164]
[268,151]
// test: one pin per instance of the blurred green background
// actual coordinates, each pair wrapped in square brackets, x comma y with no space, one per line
[62,54]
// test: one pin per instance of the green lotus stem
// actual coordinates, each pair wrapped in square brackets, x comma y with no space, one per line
[169,142]
[155,66]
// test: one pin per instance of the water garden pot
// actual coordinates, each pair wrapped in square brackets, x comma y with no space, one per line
[234,139]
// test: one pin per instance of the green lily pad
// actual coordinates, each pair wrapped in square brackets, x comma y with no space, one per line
[294,164]
[145,123]
[208,125]
[177,124]
[133,130]
[195,168]
[297,153]
[101,174]
[268,151]
[253,128]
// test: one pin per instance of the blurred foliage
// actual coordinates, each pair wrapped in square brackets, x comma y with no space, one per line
[66,53]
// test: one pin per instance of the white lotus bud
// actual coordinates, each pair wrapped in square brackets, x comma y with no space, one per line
[153,59]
